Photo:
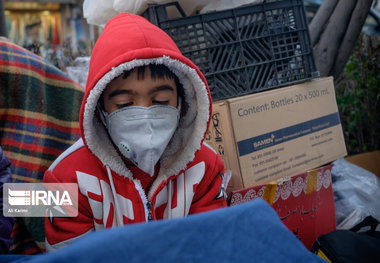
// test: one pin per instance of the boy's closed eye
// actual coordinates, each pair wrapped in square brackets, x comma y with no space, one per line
[120,106]
[160,102]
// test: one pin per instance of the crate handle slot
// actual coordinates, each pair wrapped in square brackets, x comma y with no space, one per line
[157,14]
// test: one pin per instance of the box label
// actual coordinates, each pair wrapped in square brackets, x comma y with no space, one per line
[289,133]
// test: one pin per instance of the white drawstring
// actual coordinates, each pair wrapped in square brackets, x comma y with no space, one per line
[170,198]
[119,218]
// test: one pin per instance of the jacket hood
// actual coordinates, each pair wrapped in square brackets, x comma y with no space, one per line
[129,41]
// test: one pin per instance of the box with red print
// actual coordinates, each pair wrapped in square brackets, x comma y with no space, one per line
[304,202]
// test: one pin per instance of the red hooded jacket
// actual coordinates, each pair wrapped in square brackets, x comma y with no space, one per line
[190,176]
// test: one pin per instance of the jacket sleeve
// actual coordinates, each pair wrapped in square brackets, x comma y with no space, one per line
[6,223]
[210,193]
[61,231]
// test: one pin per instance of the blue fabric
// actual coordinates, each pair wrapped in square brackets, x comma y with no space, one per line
[250,232]
[6,223]
[12,258]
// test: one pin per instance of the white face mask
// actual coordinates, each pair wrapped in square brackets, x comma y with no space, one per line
[142,134]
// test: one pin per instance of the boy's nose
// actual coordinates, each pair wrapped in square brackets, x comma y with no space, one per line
[143,102]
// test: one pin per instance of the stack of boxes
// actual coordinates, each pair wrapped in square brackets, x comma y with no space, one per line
[278,145]
[275,125]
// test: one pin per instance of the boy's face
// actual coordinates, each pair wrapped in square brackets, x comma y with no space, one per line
[132,91]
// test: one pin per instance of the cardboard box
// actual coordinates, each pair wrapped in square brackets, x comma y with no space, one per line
[369,161]
[282,132]
[304,203]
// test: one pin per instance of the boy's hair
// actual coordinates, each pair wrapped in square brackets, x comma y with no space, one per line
[157,71]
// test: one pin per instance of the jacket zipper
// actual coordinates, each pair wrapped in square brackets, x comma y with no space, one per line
[148,207]
[150,212]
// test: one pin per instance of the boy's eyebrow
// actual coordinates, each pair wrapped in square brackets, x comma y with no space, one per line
[119,92]
[130,92]
[161,88]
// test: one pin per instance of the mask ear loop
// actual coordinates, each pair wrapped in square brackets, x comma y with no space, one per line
[179,103]
[102,114]
[179,108]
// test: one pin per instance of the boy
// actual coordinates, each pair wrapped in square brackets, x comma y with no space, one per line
[143,120]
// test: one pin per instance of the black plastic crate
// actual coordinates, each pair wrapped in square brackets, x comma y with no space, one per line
[244,50]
